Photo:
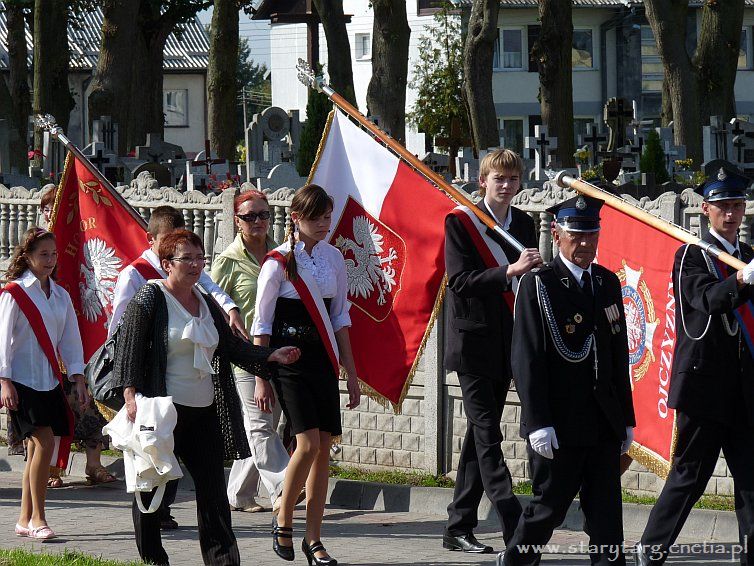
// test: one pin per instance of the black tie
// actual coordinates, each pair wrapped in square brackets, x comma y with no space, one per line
[586,285]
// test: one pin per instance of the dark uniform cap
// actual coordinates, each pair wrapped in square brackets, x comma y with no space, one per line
[725,185]
[578,214]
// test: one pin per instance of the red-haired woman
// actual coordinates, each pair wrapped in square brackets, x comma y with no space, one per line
[36,321]
[236,270]
[302,301]
[175,342]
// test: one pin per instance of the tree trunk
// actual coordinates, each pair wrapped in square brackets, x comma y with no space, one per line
[552,51]
[221,78]
[716,58]
[146,114]
[338,47]
[52,94]
[114,67]
[18,84]
[665,17]
[477,67]
[386,95]
[666,113]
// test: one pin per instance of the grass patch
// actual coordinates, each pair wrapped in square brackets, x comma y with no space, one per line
[18,557]
[391,476]
[714,502]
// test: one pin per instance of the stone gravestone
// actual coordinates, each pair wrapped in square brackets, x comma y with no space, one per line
[617,113]
[105,160]
[542,144]
[743,144]
[156,150]
[716,139]
[53,160]
[105,130]
[204,171]
[592,140]
[712,168]
[170,156]
[271,138]
[282,175]
[158,171]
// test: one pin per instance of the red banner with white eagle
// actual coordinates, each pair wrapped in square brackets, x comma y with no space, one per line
[388,223]
[642,257]
[97,237]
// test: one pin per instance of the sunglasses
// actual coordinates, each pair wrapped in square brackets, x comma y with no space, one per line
[251,217]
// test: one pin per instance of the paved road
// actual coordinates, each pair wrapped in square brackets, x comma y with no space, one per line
[97,520]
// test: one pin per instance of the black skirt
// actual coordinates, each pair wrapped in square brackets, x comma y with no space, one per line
[308,389]
[39,409]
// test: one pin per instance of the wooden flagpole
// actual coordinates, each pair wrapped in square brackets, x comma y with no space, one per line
[566,181]
[48,123]
[306,75]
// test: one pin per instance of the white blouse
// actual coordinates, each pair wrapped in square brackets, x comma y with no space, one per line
[192,341]
[328,269]
[21,357]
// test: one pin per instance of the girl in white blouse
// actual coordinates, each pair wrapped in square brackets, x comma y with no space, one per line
[29,387]
[317,323]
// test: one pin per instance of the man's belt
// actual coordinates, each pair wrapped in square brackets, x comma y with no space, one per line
[299,332]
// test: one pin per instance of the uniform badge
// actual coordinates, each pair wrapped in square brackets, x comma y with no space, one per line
[577,318]
[613,317]
[721,175]
[581,203]
[570,328]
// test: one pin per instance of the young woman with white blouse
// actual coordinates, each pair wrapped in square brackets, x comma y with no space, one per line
[29,385]
[308,389]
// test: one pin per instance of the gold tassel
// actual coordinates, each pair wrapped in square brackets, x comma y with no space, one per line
[69,160]
[321,146]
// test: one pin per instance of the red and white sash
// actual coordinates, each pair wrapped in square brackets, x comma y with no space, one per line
[310,295]
[146,269]
[32,314]
[491,252]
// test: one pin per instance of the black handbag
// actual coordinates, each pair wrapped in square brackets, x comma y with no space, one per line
[99,375]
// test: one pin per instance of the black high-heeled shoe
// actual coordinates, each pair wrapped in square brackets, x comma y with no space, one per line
[309,551]
[278,532]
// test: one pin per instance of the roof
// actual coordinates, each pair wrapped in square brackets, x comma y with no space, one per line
[187,51]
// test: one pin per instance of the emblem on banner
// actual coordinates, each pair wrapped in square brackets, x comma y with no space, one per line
[641,320]
[374,256]
[99,272]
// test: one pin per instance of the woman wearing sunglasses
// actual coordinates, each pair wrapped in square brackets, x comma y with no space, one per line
[236,270]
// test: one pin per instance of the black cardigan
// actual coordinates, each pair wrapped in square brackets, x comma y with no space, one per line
[141,361]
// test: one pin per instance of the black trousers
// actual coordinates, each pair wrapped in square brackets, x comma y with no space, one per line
[697,451]
[481,467]
[199,445]
[591,472]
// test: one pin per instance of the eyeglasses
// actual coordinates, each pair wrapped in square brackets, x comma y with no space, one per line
[190,260]
[251,217]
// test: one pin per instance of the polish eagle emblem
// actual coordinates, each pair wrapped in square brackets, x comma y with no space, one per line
[100,271]
[374,256]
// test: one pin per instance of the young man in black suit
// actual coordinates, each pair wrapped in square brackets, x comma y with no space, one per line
[712,381]
[483,271]
[570,363]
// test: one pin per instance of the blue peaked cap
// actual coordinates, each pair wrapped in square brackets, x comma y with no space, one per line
[578,214]
[724,185]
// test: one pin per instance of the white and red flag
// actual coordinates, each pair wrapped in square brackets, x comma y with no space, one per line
[97,236]
[388,221]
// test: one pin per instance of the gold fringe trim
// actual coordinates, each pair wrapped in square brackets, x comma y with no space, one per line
[321,147]
[106,412]
[653,461]
[69,159]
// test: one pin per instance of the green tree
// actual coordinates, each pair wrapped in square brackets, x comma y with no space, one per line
[317,109]
[438,78]
[251,77]
[653,158]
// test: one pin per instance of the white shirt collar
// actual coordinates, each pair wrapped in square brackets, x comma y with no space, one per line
[28,279]
[730,248]
[575,269]
[504,225]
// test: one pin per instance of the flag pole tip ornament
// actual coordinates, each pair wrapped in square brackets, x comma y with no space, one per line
[578,214]
[47,122]
[727,184]
[308,77]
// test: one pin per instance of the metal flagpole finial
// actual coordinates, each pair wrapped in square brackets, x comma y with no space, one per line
[308,77]
[47,122]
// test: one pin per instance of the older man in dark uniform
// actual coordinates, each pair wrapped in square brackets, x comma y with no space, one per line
[570,364]
[712,381]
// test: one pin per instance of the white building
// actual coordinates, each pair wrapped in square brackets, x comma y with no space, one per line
[184,86]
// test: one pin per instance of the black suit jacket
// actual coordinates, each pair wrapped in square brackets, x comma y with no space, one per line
[584,408]
[479,323]
[713,377]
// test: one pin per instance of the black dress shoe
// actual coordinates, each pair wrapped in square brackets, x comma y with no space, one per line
[312,559]
[286,533]
[168,523]
[641,558]
[466,543]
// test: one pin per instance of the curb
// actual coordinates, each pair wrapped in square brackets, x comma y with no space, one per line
[701,525]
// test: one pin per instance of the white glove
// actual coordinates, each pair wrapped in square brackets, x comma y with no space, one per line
[543,441]
[629,439]
[749,273]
